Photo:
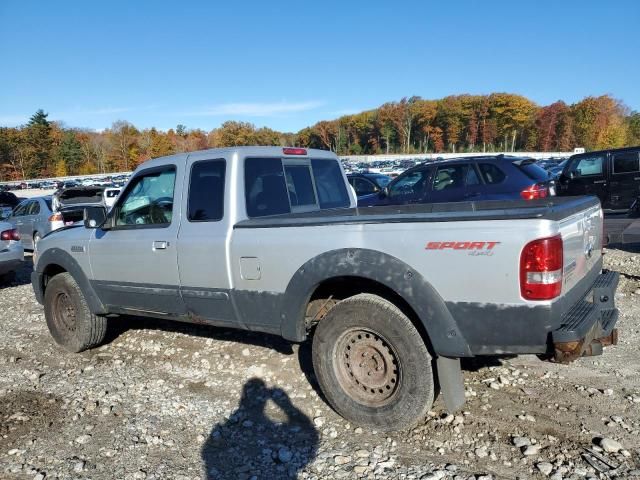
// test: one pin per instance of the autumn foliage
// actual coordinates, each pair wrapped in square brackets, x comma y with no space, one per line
[461,123]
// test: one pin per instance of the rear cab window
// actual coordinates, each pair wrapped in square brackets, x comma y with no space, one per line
[275,186]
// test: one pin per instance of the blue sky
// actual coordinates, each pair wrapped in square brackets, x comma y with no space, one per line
[287,65]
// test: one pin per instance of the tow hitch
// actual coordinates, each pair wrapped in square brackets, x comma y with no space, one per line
[565,352]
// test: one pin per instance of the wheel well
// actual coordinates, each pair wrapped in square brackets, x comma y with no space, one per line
[49,272]
[331,291]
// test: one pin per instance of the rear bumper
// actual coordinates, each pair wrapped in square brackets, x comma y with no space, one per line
[590,323]
[585,313]
[11,257]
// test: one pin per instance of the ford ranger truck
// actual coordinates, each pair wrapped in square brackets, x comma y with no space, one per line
[269,239]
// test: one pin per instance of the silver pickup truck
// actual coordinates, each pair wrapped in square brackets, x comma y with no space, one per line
[269,239]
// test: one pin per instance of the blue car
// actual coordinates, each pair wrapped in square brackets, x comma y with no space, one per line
[496,177]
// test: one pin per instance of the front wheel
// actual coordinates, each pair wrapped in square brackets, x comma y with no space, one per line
[372,364]
[70,322]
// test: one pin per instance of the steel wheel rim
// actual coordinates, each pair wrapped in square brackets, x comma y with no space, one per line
[367,367]
[64,312]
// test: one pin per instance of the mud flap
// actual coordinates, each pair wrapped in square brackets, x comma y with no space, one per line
[451,382]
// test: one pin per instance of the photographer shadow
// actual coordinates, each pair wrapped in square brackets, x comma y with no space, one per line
[251,443]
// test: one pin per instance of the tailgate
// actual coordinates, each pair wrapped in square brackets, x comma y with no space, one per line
[582,241]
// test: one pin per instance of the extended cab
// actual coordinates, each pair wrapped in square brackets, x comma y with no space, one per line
[269,239]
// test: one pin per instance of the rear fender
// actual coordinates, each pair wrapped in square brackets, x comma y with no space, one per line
[444,334]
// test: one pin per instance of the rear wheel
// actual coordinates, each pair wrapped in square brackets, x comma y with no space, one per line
[372,364]
[71,323]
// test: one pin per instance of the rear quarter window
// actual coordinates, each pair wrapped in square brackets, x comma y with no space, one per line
[491,174]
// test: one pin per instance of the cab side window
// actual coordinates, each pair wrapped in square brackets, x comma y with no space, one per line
[587,166]
[627,162]
[206,191]
[148,200]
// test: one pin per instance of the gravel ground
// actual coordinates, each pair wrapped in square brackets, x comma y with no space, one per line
[163,400]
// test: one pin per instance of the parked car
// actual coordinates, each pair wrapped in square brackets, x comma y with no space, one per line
[8,201]
[496,177]
[110,196]
[368,183]
[611,175]
[33,219]
[267,239]
[11,251]
[556,170]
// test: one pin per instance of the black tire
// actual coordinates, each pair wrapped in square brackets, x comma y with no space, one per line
[391,387]
[71,323]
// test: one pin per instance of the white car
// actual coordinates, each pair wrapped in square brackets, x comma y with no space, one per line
[11,251]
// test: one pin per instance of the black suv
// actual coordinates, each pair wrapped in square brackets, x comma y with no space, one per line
[612,175]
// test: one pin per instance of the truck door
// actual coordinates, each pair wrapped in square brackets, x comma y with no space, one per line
[624,185]
[587,175]
[202,260]
[134,263]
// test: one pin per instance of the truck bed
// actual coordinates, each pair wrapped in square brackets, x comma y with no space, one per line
[555,208]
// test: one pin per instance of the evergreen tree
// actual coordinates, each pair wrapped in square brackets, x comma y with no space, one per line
[40,143]
[70,152]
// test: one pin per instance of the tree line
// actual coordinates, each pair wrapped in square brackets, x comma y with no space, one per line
[460,123]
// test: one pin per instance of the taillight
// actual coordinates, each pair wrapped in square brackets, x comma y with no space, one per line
[56,217]
[8,235]
[537,190]
[294,151]
[541,264]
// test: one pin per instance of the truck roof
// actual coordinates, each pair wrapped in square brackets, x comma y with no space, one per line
[251,151]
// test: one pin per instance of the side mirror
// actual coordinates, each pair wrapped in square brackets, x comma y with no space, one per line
[384,193]
[574,174]
[94,217]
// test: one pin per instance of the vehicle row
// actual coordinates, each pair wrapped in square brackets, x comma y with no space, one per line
[611,175]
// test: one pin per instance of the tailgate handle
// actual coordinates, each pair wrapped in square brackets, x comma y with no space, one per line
[599,181]
[160,245]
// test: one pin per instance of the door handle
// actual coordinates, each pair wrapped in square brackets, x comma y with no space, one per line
[160,245]
[600,181]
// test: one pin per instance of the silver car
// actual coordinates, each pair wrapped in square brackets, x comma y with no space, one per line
[11,251]
[33,219]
